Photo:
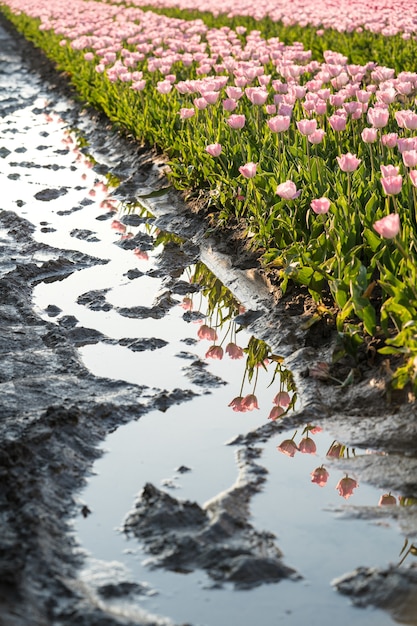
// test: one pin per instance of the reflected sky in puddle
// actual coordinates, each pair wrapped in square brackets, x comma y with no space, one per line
[194,433]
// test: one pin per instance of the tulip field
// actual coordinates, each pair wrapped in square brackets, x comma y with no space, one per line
[297,123]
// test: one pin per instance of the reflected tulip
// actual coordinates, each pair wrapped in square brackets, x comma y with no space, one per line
[307,446]
[387,500]
[250,402]
[282,399]
[234,351]
[319,476]
[275,413]
[141,254]
[206,332]
[187,304]
[118,226]
[335,451]
[288,447]
[215,352]
[237,405]
[345,486]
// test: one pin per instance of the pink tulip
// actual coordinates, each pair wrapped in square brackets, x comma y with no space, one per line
[234,93]
[236,121]
[392,184]
[164,86]
[316,137]
[348,162]
[200,103]
[288,190]
[337,122]
[248,170]
[141,254]
[214,149]
[319,476]
[282,399]
[345,486]
[389,170]
[279,123]
[388,226]
[275,413]
[288,447]
[406,143]
[215,352]
[335,451]
[378,117]
[306,127]
[206,332]
[118,226]
[257,95]
[410,158]
[250,402]
[369,135]
[229,104]
[387,500]
[389,140]
[237,405]
[307,446]
[320,205]
[413,177]
[185,114]
[187,304]
[234,351]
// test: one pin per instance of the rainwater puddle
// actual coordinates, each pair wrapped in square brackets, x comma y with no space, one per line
[184,449]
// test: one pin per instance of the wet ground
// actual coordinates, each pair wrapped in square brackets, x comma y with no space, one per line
[95,335]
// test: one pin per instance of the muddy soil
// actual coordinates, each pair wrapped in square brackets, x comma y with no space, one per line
[55,413]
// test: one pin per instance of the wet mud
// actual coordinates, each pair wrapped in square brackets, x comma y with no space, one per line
[55,413]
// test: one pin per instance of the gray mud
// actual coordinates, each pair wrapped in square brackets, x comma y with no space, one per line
[55,413]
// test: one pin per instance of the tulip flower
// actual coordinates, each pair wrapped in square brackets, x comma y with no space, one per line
[236,122]
[141,254]
[307,127]
[206,332]
[389,140]
[319,476]
[250,402]
[214,149]
[237,405]
[307,446]
[316,137]
[387,500]
[185,114]
[215,352]
[413,177]
[369,135]
[248,170]
[392,184]
[234,351]
[118,226]
[378,117]
[348,162]
[279,123]
[282,399]
[345,487]
[288,190]
[288,447]
[410,158]
[335,451]
[320,205]
[275,413]
[388,226]
[389,170]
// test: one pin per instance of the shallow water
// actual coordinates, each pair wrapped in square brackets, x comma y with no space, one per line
[193,434]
